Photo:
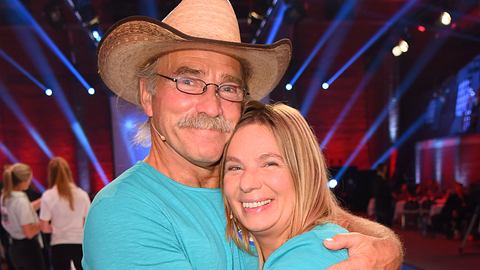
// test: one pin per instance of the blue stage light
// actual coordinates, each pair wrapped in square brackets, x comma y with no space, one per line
[423,59]
[21,69]
[409,5]
[276,23]
[288,87]
[23,12]
[356,94]
[6,152]
[33,49]
[405,136]
[96,35]
[91,91]
[325,85]
[48,92]
[332,183]
[13,106]
[329,54]
[342,14]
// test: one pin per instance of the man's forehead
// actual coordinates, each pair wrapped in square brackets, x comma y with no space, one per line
[199,61]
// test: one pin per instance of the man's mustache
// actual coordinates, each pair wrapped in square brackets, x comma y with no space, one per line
[203,121]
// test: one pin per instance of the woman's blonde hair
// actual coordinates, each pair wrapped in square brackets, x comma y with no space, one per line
[314,202]
[13,176]
[60,175]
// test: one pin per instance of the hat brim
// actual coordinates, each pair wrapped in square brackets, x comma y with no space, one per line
[133,42]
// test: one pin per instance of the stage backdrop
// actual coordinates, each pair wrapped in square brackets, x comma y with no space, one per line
[448,160]
[125,120]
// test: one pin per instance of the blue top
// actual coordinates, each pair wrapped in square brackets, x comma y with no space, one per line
[306,251]
[144,220]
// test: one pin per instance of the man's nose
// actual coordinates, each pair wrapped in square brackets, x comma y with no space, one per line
[210,102]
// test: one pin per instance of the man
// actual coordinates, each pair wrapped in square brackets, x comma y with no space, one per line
[383,196]
[191,75]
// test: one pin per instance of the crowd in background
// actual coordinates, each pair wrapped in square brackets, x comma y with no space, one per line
[42,231]
[432,208]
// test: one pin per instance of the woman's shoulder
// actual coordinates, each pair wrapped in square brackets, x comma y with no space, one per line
[306,251]
[49,193]
[327,230]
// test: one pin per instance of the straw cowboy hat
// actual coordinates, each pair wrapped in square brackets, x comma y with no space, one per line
[194,24]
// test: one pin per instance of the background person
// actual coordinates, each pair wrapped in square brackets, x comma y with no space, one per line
[383,196]
[274,181]
[64,207]
[20,220]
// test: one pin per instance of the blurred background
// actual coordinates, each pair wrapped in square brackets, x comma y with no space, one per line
[392,82]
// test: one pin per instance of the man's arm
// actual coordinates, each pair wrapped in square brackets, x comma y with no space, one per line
[370,245]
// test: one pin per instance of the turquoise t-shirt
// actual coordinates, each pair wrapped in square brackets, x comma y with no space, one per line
[144,220]
[306,251]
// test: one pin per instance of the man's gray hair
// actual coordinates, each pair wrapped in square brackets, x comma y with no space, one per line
[148,74]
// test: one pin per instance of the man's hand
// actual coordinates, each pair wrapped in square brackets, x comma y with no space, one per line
[366,252]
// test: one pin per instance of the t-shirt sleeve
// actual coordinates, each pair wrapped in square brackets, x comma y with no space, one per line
[86,204]
[126,231]
[23,211]
[45,213]
[307,252]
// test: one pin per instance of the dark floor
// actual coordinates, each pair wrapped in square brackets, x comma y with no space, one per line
[438,253]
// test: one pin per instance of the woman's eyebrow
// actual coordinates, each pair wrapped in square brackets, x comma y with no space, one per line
[269,155]
[231,158]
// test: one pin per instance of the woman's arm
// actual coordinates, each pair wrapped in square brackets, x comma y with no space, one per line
[36,204]
[31,230]
[45,226]
[370,245]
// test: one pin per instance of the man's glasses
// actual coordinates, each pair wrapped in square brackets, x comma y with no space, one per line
[192,86]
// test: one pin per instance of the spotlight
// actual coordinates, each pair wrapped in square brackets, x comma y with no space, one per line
[332,183]
[94,31]
[445,18]
[403,45]
[288,87]
[396,51]
[96,35]
[421,28]
[255,15]
[48,92]
[325,85]
[91,91]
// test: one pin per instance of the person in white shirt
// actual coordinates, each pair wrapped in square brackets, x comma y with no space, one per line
[63,209]
[20,220]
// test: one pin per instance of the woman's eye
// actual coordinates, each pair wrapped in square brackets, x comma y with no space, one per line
[271,163]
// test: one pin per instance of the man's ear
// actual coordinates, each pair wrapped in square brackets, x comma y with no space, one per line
[145,98]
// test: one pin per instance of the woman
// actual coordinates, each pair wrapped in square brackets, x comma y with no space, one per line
[19,219]
[63,209]
[275,189]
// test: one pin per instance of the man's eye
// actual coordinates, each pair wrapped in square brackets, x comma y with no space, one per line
[229,89]
[233,168]
[186,81]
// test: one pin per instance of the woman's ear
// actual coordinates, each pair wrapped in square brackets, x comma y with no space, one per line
[145,98]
